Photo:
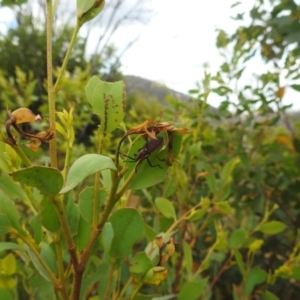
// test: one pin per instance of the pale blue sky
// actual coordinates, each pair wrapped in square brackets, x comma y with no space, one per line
[176,43]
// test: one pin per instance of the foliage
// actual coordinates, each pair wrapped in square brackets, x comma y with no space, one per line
[215,218]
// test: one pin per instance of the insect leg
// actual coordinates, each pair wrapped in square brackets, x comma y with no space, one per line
[152,166]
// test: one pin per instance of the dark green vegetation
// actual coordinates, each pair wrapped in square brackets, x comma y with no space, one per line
[218,220]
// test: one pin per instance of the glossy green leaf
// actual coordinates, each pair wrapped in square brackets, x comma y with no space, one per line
[49,217]
[254,277]
[128,228]
[272,227]
[86,202]
[165,207]
[48,181]
[139,266]
[156,275]
[192,290]
[84,166]
[108,101]
[8,209]
[237,237]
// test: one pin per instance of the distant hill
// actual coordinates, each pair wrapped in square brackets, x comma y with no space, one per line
[158,90]
[149,87]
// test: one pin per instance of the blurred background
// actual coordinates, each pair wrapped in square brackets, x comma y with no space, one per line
[227,70]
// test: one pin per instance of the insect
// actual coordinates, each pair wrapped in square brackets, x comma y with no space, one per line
[146,151]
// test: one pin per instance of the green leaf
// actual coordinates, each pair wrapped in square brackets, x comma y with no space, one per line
[296,272]
[86,202]
[107,238]
[84,5]
[149,233]
[49,217]
[239,261]
[229,167]
[83,235]
[195,149]
[188,257]
[139,266]
[108,101]
[49,256]
[48,181]
[8,209]
[128,228]
[10,246]
[272,227]
[38,265]
[42,288]
[235,4]
[192,290]
[84,166]
[36,225]
[11,188]
[8,265]
[90,13]
[224,207]
[295,87]
[90,87]
[4,224]
[254,277]
[73,215]
[267,295]
[211,182]
[146,175]
[156,275]
[6,294]
[165,207]
[237,237]
[11,3]
[255,245]
[196,214]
